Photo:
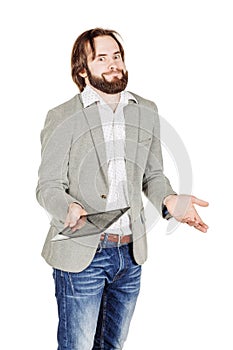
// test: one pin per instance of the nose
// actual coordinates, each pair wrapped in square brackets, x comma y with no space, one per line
[112,65]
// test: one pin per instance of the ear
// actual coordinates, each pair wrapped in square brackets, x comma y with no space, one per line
[83,73]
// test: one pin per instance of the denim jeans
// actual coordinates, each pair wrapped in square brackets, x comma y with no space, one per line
[95,306]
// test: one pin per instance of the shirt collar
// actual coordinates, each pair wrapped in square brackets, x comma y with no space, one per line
[90,96]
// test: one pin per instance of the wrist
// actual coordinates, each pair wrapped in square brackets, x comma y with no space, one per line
[74,204]
[166,199]
[165,212]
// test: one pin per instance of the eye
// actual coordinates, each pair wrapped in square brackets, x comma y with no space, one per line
[101,59]
[117,56]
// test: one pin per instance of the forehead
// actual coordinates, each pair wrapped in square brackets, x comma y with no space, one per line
[104,45]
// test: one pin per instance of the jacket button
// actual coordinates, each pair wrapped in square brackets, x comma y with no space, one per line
[103,196]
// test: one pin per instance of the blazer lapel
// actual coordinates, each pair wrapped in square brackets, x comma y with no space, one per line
[94,122]
[131,113]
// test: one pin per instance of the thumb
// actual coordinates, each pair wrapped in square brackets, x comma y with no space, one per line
[199,201]
[83,212]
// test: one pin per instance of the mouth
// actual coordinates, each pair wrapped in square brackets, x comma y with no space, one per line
[115,74]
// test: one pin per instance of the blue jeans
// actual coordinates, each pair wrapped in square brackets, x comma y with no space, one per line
[95,306]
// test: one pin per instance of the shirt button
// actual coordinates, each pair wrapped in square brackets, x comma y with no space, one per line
[103,196]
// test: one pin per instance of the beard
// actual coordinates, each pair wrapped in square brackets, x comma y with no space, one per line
[109,87]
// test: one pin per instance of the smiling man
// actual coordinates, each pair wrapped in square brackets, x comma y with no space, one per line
[110,80]
[100,151]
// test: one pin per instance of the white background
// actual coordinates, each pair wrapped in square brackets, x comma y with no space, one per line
[179,54]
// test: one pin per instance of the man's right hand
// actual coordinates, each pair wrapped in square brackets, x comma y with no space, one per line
[73,217]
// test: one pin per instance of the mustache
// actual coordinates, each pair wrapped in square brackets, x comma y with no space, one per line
[114,71]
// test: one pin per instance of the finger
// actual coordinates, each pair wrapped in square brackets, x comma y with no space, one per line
[195,221]
[83,212]
[191,223]
[199,201]
[186,220]
[67,222]
[199,224]
[79,224]
[73,223]
[74,218]
[202,228]
[71,220]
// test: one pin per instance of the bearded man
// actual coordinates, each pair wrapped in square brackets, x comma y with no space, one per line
[100,151]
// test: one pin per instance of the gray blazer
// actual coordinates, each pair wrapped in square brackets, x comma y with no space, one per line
[73,169]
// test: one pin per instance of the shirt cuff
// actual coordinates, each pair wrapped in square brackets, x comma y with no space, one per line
[165,213]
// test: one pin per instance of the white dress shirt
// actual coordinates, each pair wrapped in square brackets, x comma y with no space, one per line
[113,124]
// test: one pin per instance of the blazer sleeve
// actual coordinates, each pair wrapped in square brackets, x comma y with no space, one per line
[156,185]
[52,190]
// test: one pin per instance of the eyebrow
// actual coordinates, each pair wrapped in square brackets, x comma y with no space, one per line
[104,54]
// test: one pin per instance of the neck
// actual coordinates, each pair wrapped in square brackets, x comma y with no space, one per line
[111,100]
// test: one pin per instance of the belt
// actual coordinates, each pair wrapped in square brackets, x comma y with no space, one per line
[117,238]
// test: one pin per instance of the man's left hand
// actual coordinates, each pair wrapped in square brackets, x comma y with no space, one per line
[181,207]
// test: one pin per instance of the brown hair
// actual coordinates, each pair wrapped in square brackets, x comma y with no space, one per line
[79,54]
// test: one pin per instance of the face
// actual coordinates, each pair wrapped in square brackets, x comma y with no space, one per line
[107,72]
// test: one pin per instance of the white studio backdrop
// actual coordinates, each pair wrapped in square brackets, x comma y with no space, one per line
[178,54]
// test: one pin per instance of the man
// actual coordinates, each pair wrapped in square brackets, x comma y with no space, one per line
[100,150]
